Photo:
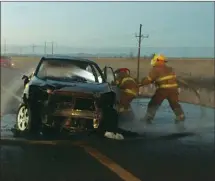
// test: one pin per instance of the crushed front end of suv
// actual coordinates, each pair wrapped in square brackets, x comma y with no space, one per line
[66,94]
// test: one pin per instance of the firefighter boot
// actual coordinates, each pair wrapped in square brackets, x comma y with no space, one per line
[120,108]
[151,111]
[123,109]
[147,118]
[179,120]
[180,117]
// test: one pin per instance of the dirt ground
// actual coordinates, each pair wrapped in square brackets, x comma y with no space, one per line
[198,72]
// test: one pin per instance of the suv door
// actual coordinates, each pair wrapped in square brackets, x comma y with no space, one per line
[111,79]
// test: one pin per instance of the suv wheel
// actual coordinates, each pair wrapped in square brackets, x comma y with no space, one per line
[25,121]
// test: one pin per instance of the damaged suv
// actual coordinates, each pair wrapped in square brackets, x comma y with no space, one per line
[67,94]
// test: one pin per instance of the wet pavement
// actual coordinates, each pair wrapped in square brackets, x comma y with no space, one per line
[162,153]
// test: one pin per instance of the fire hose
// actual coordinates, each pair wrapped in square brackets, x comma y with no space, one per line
[184,83]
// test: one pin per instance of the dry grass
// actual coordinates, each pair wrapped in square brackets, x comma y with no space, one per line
[184,67]
[200,72]
[22,62]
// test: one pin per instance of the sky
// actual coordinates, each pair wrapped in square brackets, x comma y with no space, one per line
[108,24]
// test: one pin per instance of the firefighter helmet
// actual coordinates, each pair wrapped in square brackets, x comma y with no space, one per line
[126,70]
[158,59]
[121,71]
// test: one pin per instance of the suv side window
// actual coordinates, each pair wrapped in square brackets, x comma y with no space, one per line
[42,71]
[97,74]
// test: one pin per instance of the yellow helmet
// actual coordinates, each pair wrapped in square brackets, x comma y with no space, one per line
[158,59]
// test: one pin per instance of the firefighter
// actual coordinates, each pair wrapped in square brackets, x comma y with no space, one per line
[128,88]
[165,80]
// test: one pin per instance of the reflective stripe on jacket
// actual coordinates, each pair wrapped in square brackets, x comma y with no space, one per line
[130,91]
[125,80]
[163,77]
[166,85]
[128,85]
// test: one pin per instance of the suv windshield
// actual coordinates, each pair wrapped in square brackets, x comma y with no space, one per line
[69,70]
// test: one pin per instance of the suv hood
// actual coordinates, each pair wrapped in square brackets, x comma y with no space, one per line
[79,86]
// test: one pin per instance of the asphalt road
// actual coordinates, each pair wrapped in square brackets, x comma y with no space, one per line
[161,154]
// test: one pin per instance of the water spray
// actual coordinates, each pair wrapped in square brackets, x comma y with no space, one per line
[7,91]
[11,90]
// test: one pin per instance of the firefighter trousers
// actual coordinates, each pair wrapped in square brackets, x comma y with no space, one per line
[160,95]
[125,99]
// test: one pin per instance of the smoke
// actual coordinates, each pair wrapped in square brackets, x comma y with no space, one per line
[9,93]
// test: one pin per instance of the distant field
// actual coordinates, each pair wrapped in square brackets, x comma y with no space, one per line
[184,67]
[198,72]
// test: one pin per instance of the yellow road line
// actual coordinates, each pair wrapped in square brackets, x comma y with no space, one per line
[44,142]
[14,141]
[110,164]
[104,160]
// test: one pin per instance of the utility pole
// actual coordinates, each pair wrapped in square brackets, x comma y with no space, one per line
[140,36]
[52,48]
[33,47]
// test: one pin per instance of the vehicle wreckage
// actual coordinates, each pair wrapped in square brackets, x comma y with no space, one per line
[67,94]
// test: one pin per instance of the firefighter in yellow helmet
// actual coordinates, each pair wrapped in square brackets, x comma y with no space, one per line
[165,80]
[128,88]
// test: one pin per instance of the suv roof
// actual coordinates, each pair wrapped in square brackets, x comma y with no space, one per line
[67,58]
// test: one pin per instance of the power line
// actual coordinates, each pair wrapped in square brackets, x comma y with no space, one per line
[140,37]
[52,47]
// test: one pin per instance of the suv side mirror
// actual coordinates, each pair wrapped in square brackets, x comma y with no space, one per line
[26,79]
